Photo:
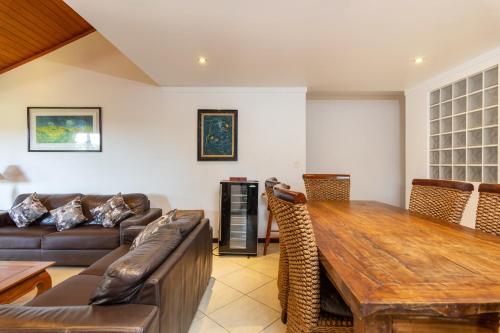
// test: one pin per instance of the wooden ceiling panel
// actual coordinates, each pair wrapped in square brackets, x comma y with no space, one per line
[32,28]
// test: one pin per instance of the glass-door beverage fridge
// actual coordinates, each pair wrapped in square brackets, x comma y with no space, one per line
[238,217]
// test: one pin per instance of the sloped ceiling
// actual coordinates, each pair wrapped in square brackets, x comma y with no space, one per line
[95,53]
[327,45]
[30,29]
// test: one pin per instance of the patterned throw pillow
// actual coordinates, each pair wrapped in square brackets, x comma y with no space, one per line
[153,228]
[49,220]
[111,212]
[68,216]
[27,211]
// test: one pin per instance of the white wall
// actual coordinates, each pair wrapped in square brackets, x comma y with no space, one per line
[359,137]
[417,127]
[149,136]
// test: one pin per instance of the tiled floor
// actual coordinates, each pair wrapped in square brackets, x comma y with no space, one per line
[242,296]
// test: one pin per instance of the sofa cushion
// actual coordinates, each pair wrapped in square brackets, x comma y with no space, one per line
[27,211]
[152,228]
[51,201]
[99,267]
[124,278]
[74,291]
[69,215]
[82,237]
[185,224]
[112,212]
[12,237]
[138,203]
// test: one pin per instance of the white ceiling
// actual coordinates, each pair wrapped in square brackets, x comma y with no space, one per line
[326,45]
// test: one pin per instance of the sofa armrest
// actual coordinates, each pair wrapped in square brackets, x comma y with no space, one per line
[129,234]
[141,219]
[190,212]
[133,318]
[5,219]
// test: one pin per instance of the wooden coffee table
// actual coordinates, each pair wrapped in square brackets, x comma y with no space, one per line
[17,278]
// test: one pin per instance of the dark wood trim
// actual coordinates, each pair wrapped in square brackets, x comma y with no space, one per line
[29,108]
[282,192]
[44,52]
[325,176]
[271,240]
[259,240]
[462,186]
[491,188]
[235,134]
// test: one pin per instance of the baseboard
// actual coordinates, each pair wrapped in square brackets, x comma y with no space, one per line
[260,240]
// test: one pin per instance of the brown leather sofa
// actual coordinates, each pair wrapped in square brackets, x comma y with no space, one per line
[80,246]
[167,301]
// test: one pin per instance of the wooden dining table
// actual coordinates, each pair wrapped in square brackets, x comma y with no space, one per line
[400,272]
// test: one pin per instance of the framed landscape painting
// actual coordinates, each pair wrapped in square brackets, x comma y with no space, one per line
[217,135]
[64,129]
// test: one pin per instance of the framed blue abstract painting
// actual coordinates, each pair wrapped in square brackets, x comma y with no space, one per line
[217,135]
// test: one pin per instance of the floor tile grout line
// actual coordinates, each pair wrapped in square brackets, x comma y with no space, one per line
[262,285]
[213,319]
[274,277]
[267,276]
[223,306]
[260,301]
[247,294]
[253,261]
[230,286]
[267,306]
[241,267]
[271,324]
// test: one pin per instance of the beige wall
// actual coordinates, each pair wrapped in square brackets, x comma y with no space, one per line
[362,137]
[149,133]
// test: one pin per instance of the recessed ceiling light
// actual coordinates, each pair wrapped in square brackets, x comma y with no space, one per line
[202,60]
[418,60]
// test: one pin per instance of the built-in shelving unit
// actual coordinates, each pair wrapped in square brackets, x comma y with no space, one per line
[463,128]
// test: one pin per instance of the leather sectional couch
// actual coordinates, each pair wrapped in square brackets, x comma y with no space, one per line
[80,246]
[167,301]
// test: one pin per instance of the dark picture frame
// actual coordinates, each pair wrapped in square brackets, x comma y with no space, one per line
[217,135]
[59,126]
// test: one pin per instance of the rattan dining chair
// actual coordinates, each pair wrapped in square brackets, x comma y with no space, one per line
[283,259]
[336,187]
[444,200]
[269,184]
[488,209]
[304,313]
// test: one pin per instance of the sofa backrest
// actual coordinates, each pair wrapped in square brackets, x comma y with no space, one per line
[183,276]
[138,202]
[51,201]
